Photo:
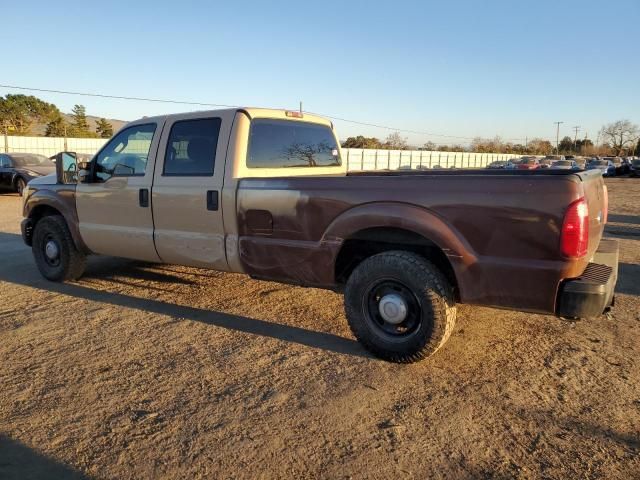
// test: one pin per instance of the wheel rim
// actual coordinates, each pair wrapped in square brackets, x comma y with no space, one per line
[51,251]
[392,309]
[20,185]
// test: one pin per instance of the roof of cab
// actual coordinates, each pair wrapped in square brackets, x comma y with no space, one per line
[253,112]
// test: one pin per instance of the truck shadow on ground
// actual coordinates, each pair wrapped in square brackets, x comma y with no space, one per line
[18,461]
[132,271]
[630,219]
[628,279]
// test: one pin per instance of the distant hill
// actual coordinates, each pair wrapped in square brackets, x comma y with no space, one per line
[39,129]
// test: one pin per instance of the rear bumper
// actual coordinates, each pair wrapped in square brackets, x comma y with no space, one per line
[591,293]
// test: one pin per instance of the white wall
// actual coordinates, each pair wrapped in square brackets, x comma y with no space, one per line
[50,145]
[366,159]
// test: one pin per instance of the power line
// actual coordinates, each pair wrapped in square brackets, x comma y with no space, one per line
[204,104]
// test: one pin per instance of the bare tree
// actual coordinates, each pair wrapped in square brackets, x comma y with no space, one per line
[620,135]
[396,141]
[308,153]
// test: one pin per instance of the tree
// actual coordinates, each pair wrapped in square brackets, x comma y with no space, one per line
[584,146]
[539,146]
[362,142]
[22,111]
[396,142]
[104,129]
[429,146]
[307,152]
[637,152]
[57,127]
[483,145]
[79,124]
[620,135]
[566,145]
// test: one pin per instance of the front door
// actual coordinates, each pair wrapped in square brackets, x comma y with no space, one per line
[187,188]
[114,208]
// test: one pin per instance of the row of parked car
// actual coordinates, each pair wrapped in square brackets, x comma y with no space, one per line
[609,166]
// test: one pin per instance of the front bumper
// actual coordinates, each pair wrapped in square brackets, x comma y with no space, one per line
[591,293]
[26,226]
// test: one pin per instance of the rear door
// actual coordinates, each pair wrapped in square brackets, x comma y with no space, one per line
[187,188]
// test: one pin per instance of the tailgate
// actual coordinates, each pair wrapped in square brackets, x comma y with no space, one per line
[595,194]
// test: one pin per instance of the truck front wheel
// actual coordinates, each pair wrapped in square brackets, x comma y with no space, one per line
[399,306]
[55,254]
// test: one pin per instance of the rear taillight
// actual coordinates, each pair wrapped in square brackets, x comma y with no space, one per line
[574,239]
[605,208]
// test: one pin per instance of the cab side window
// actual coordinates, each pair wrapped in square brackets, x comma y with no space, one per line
[191,149]
[4,161]
[126,154]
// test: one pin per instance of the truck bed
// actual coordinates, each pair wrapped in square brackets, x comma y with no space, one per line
[500,230]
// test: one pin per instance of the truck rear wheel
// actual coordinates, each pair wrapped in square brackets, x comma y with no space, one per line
[55,254]
[399,306]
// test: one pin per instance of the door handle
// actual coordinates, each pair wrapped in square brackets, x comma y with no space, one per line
[212,200]
[143,197]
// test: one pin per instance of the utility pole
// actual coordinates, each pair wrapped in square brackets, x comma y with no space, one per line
[575,138]
[558,137]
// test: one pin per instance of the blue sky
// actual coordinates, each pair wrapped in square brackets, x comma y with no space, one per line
[465,68]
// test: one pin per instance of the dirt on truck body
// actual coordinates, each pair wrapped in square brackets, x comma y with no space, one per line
[265,193]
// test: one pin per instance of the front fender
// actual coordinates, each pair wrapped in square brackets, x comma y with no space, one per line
[61,198]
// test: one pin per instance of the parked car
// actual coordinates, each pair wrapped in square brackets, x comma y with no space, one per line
[626,165]
[634,169]
[498,164]
[546,161]
[266,193]
[564,165]
[607,167]
[17,169]
[620,167]
[528,163]
[512,164]
[581,162]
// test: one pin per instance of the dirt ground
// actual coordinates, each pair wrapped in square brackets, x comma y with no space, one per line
[143,371]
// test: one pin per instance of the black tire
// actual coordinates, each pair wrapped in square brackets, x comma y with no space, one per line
[428,300]
[20,184]
[70,263]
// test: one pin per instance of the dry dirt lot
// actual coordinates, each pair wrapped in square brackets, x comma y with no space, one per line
[146,371]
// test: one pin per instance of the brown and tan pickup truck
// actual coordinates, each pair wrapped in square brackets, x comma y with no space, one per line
[266,193]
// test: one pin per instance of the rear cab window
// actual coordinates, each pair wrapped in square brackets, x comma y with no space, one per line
[275,143]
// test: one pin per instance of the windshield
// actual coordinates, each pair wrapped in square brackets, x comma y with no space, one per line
[600,163]
[30,160]
[636,163]
[563,163]
[528,161]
